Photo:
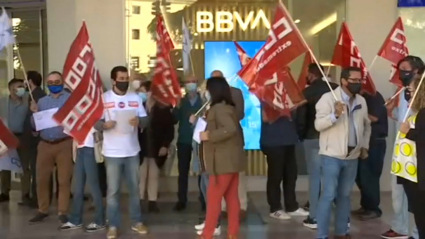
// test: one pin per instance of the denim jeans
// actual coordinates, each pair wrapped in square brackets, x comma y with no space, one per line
[85,168]
[312,157]
[338,179]
[116,169]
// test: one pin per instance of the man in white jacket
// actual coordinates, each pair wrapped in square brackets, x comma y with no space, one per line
[345,130]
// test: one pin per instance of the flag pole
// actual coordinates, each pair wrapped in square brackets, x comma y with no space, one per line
[23,70]
[373,63]
[309,49]
[395,95]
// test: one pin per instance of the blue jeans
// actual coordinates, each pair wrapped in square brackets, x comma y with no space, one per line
[116,169]
[85,168]
[338,179]
[312,157]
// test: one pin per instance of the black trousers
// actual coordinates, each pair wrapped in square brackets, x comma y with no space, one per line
[369,174]
[282,168]
[416,199]
[184,156]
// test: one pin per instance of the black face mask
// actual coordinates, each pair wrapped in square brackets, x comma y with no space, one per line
[407,95]
[122,85]
[406,77]
[354,88]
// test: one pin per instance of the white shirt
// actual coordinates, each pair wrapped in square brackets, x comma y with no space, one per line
[89,141]
[117,144]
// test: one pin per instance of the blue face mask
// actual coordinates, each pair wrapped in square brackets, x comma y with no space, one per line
[54,89]
[143,96]
[191,87]
[20,91]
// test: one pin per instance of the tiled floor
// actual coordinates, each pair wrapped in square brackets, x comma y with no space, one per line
[170,225]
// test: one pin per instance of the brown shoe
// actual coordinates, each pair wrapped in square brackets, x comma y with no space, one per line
[242,215]
[343,237]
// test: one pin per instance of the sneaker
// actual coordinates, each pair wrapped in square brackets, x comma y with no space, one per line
[112,233]
[140,228]
[39,217]
[93,227]
[200,226]
[299,213]
[280,214]
[180,206]
[393,235]
[217,231]
[310,223]
[69,226]
[63,219]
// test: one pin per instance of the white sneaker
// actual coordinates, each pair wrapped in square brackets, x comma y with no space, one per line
[200,227]
[217,231]
[69,226]
[281,215]
[299,213]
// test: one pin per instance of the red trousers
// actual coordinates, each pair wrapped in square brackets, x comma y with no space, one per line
[224,185]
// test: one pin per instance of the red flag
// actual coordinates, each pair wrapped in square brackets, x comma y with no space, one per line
[7,139]
[346,54]
[243,57]
[395,76]
[283,45]
[84,106]
[394,48]
[302,79]
[165,83]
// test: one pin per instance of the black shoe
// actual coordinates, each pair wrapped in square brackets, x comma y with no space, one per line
[39,217]
[368,215]
[63,219]
[4,198]
[180,206]
[310,223]
[153,207]
[358,212]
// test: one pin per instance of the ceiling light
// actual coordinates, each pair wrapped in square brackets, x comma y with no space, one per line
[323,24]
[297,21]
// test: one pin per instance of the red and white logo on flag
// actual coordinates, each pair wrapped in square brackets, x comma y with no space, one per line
[84,107]
[243,57]
[7,139]
[346,54]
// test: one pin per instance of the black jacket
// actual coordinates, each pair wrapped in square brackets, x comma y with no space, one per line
[306,114]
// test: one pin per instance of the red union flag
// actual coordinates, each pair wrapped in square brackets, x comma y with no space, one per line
[165,83]
[84,107]
[394,48]
[243,57]
[302,79]
[7,139]
[281,95]
[346,54]
[283,45]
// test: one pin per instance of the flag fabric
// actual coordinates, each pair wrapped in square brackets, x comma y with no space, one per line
[11,162]
[187,48]
[165,84]
[8,140]
[6,31]
[302,79]
[243,57]
[346,54]
[282,46]
[85,105]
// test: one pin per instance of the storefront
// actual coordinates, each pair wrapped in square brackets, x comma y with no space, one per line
[122,31]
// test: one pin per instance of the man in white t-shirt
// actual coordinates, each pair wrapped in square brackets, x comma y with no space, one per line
[124,112]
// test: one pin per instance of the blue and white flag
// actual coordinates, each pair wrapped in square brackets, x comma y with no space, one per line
[6,33]
[11,162]
[187,47]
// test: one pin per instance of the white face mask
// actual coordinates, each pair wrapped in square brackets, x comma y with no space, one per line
[136,84]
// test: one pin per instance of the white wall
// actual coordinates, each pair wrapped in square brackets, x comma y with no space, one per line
[370,22]
[105,21]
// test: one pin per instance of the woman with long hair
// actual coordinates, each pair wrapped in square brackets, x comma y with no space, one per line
[223,157]
[409,157]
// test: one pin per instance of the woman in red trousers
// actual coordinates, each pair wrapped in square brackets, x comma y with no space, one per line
[223,157]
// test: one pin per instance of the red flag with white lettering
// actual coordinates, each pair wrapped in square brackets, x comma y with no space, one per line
[7,139]
[243,57]
[346,54]
[84,106]
[283,45]
[165,83]
[302,79]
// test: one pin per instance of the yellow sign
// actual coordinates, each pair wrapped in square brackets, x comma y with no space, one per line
[226,21]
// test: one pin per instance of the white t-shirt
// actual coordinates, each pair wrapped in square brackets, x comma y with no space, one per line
[89,142]
[117,144]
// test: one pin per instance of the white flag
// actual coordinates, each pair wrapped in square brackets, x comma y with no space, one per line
[6,33]
[187,47]
[11,162]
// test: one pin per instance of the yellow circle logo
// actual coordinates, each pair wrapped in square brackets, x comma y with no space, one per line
[406,149]
[395,167]
[411,169]
[397,150]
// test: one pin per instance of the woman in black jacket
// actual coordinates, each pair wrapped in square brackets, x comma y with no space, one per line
[414,181]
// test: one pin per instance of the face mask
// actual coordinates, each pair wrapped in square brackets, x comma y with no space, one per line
[143,96]
[406,77]
[122,85]
[55,89]
[20,91]
[354,88]
[191,87]
[407,95]
[135,84]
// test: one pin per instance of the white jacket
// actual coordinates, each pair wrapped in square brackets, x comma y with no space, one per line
[333,138]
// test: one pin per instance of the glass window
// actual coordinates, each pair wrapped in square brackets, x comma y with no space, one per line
[414,26]
[135,63]
[135,34]
[136,10]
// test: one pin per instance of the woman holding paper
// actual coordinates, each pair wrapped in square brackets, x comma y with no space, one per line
[223,157]
[409,155]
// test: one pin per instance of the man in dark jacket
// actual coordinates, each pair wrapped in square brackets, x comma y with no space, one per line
[306,115]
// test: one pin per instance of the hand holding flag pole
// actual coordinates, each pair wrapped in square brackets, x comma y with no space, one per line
[413,98]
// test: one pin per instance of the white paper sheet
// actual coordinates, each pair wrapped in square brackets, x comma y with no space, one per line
[200,126]
[123,117]
[44,119]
